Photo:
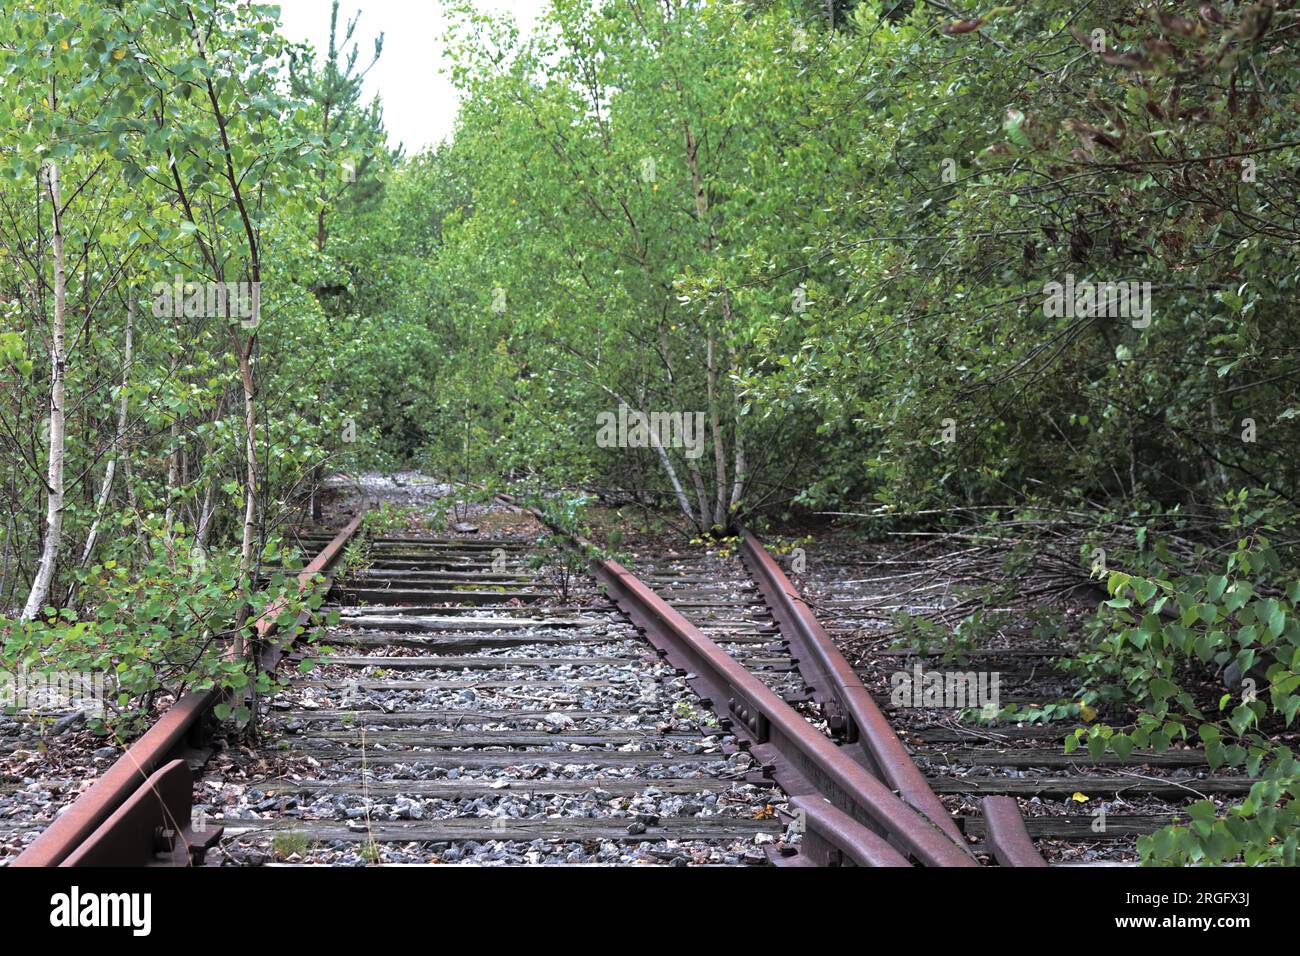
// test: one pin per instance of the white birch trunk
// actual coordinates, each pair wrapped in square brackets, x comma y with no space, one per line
[40,591]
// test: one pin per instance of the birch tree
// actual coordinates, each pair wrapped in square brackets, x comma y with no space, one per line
[58,397]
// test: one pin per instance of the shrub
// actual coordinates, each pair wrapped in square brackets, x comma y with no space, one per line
[1161,635]
[162,616]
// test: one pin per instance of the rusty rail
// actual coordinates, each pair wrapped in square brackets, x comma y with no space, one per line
[143,802]
[843,793]
[153,826]
[171,737]
[851,713]
[1006,834]
[858,721]
[845,807]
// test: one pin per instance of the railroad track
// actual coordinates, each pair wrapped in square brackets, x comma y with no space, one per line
[465,710]
[748,606]
[468,715]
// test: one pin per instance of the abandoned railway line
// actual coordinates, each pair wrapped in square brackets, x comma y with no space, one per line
[690,708]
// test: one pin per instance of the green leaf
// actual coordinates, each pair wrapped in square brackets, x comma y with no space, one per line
[1122,744]
[1096,746]
[1241,718]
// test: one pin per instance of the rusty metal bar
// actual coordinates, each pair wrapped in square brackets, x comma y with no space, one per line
[851,712]
[152,827]
[328,555]
[836,687]
[805,763]
[161,743]
[1006,834]
[173,733]
[831,836]
[272,653]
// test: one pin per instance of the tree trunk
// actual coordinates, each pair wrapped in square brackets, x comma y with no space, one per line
[740,467]
[738,476]
[205,517]
[173,475]
[250,488]
[110,470]
[692,469]
[317,478]
[721,517]
[719,450]
[682,501]
[58,375]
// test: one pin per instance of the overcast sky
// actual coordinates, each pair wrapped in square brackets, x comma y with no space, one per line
[419,102]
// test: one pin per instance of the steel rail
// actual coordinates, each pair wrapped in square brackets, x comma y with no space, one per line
[833,832]
[133,778]
[833,812]
[854,714]
[831,836]
[804,762]
[851,713]
[1006,834]
[171,736]
[155,821]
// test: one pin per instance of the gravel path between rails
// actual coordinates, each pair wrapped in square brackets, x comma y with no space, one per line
[523,743]
[44,765]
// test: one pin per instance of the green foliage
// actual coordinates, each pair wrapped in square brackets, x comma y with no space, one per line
[162,622]
[396,344]
[1262,830]
[371,852]
[185,151]
[922,633]
[386,518]
[290,843]
[180,155]
[857,226]
[562,554]
[828,229]
[560,561]
[1151,657]
[350,136]
[564,513]
[1159,639]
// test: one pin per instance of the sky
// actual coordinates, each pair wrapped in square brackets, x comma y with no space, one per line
[419,102]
